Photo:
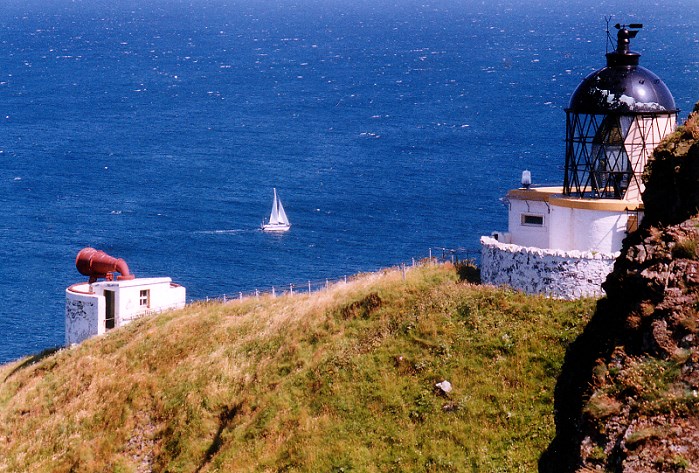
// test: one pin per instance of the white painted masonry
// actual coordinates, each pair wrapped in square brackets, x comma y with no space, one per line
[586,229]
[556,273]
[88,305]
[528,234]
[545,218]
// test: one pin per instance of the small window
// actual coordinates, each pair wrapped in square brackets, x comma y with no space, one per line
[533,220]
[144,299]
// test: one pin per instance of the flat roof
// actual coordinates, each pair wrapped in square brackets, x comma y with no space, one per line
[554,196]
[534,193]
[85,288]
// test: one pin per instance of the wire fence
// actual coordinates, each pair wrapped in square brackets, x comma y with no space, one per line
[436,255]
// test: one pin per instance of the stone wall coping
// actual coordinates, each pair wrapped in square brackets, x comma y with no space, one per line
[539,252]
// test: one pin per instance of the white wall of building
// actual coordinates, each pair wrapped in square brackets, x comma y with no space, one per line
[587,229]
[544,218]
[555,273]
[523,222]
[82,319]
[87,307]
[562,238]
[161,295]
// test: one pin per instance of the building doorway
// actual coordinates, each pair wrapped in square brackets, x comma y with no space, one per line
[109,297]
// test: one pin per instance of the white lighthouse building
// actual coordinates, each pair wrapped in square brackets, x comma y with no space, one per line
[95,307]
[562,241]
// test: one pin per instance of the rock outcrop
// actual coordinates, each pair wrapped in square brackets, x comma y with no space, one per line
[627,399]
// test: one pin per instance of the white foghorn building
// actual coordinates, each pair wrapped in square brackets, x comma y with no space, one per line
[562,241]
[93,308]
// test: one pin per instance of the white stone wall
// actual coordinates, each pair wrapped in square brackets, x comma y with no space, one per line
[555,273]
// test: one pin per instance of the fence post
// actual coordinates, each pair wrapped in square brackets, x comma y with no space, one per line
[413,262]
[257,293]
[291,289]
[273,293]
[241,296]
[309,287]
[326,283]
[224,298]
[345,279]
[402,268]
[430,255]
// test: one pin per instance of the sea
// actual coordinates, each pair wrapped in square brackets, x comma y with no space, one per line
[156,130]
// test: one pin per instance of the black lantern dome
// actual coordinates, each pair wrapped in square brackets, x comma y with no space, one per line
[615,118]
[622,86]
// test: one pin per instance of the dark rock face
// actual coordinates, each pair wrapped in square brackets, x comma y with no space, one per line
[627,399]
[672,176]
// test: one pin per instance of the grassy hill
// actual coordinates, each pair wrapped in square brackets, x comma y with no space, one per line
[336,381]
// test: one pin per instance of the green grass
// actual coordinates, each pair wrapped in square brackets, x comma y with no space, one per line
[337,381]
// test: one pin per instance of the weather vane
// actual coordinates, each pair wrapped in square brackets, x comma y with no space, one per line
[625,33]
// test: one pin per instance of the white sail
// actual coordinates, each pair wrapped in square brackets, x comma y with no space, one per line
[281,215]
[278,221]
[274,216]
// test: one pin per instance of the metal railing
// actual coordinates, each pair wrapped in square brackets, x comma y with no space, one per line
[436,255]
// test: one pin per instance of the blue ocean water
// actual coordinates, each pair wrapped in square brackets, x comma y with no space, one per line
[156,130]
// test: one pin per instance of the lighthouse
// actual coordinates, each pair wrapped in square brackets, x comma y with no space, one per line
[562,241]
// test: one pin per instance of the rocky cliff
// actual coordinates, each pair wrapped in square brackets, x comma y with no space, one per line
[627,399]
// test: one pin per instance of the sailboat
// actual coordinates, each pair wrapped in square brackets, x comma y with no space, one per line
[278,221]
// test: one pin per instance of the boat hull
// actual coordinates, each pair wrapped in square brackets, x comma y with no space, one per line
[275,228]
